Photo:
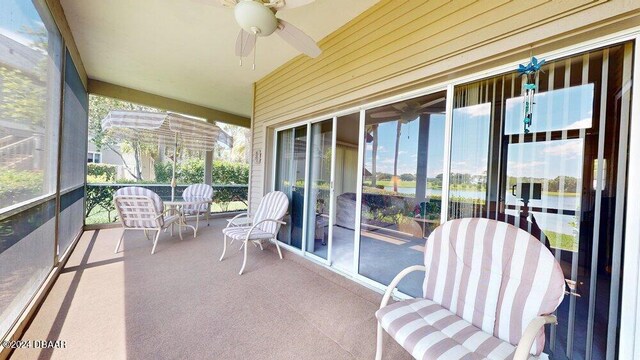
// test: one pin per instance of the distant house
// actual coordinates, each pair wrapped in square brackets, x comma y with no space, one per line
[108,156]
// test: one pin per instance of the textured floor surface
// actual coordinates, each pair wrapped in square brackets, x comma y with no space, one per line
[182,303]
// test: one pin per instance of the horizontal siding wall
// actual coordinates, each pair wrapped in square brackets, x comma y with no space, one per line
[396,45]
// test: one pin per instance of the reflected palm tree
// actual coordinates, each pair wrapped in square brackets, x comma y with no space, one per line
[404,112]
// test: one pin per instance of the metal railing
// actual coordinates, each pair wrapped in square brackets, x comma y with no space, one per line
[99,199]
[12,154]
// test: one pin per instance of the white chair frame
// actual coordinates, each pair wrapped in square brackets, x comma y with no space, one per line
[522,350]
[256,243]
[131,212]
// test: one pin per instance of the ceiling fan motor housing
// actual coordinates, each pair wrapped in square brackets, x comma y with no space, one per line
[255,18]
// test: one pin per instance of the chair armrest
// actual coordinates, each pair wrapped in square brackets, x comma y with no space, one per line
[230,224]
[394,283]
[171,209]
[529,335]
[260,222]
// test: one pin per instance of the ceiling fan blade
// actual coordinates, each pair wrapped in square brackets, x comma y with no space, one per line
[218,3]
[245,43]
[384,114]
[290,4]
[298,39]
[401,106]
[433,102]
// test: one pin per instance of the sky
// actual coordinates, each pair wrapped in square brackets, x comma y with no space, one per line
[15,16]
[562,109]
[408,149]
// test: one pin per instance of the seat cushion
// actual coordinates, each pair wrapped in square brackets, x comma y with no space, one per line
[430,331]
[240,233]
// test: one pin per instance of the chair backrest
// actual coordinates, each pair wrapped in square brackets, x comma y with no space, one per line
[493,275]
[198,192]
[273,205]
[139,207]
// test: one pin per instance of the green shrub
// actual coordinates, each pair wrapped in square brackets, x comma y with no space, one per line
[17,186]
[191,171]
[101,171]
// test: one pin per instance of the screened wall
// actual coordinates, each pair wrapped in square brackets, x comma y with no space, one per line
[31,91]
[73,159]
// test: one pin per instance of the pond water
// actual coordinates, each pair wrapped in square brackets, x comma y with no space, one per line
[550,201]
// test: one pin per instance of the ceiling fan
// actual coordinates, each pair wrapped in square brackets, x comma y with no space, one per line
[258,18]
[409,110]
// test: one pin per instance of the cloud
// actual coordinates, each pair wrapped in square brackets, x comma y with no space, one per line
[567,149]
[581,124]
[474,110]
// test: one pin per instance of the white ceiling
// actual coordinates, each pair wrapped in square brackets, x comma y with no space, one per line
[184,49]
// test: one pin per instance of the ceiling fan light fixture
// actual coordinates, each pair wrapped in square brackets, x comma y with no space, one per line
[255,18]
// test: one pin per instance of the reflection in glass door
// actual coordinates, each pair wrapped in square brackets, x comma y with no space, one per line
[319,189]
[291,159]
[401,187]
[345,188]
[563,181]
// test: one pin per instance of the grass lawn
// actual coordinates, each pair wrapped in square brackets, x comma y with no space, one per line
[561,241]
[102,217]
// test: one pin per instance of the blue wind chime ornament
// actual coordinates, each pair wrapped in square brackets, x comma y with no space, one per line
[530,71]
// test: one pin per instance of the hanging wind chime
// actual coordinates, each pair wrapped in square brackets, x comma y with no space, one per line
[530,71]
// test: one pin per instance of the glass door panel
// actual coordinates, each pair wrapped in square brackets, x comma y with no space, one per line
[562,180]
[402,187]
[319,192]
[345,188]
[291,159]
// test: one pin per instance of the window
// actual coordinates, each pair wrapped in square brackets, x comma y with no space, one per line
[94,157]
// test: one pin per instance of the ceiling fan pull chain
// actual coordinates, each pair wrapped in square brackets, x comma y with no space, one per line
[255,50]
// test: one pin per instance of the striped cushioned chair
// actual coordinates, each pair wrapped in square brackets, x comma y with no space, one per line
[265,224]
[198,192]
[142,209]
[488,291]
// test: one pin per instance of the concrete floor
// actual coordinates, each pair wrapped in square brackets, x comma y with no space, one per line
[182,303]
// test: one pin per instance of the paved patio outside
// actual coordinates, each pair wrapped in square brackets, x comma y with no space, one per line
[182,303]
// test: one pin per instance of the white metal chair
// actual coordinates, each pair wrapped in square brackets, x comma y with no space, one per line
[488,291]
[198,192]
[265,224]
[142,209]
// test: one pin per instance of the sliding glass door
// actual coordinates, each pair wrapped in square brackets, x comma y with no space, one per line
[345,190]
[290,175]
[401,187]
[562,180]
[319,192]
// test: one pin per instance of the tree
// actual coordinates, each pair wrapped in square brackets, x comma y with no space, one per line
[99,107]
[407,177]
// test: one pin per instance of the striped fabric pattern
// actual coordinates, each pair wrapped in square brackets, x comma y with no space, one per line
[197,192]
[143,217]
[240,233]
[429,331]
[493,275]
[193,133]
[273,205]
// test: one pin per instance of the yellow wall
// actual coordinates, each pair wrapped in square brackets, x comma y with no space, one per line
[398,45]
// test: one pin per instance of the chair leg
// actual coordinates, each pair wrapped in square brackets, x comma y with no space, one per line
[224,246]
[197,224]
[278,247]
[180,231]
[155,242]
[260,244]
[208,213]
[120,241]
[244,262]
[379,343]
